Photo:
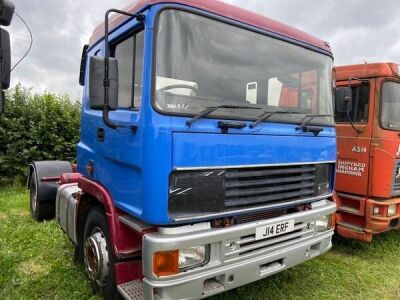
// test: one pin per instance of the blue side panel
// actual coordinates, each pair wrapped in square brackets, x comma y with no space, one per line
[197,150]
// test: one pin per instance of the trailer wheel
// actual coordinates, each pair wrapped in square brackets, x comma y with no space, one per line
[98,256]
[40,210]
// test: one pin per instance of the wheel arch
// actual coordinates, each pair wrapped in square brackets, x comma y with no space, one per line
[126,242]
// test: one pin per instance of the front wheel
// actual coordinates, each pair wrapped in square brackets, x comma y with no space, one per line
[98,256]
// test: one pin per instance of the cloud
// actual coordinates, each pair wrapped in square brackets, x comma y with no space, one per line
[358,31]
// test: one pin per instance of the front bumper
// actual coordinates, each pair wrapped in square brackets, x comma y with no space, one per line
[355,225]
[236,258]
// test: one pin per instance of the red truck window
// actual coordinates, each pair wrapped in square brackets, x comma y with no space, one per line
[360,106]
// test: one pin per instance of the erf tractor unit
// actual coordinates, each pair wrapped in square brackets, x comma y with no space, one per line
[368,166]
[193,176]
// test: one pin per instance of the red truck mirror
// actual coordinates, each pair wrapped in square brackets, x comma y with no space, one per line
[344,99]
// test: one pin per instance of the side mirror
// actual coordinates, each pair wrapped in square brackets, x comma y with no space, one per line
[6,12]
[344,99]
[96,83]
[5,48]
[83,65]
[1,102]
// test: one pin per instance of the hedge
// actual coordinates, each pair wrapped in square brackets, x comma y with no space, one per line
[35,127]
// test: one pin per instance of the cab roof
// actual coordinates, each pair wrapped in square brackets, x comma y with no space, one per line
[367,71]
[219,8]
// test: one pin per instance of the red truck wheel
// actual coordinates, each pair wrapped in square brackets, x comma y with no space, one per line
[98,255]
[40,210]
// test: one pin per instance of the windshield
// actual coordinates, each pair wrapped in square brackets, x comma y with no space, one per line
[204,63]
[390,114]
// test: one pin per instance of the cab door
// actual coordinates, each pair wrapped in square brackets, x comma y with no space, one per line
[354,144]
[120,149]
[116,154]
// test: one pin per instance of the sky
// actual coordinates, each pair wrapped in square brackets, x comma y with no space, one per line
[358,30]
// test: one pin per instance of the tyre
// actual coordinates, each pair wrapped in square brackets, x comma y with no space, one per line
[98,255]
[40,210]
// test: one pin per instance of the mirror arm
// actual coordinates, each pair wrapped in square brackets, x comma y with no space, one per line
[348,104]
[350,121]
[106,83]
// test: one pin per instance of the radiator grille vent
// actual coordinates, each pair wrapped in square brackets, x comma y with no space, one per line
[252,186]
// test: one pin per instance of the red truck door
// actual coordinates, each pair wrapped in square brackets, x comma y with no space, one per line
[353,156]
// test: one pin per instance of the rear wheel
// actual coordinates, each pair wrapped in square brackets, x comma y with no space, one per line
[98,256]
[40,211]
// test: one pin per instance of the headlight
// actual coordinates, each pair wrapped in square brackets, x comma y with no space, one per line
[377,210]
[323,223]
[167,263]
[192,257]
[196,192]
[392,210]
[323,176]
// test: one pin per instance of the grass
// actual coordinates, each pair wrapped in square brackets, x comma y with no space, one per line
[36,263]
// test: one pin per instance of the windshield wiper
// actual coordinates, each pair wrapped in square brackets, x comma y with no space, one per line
[304,126]
[210,110]
[264,117]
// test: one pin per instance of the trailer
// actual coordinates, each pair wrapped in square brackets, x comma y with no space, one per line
[368,162]
[193,176]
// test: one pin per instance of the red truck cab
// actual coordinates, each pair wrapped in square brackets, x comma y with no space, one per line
[368,157]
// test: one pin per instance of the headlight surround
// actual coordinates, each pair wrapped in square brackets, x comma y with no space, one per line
[196,192]
[323,179]
[392,210]
[323,223]
[168,263]
[193,257]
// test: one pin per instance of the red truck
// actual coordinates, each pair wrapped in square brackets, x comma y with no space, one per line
[368,159]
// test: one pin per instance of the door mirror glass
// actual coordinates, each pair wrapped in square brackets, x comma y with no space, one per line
[83,65]
[6,60]
[344,99]
[6,12]
[96,83]
[1,102]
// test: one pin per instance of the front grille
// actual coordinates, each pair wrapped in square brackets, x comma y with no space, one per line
[396,179]
[248,218]
[216,191]
[252,186]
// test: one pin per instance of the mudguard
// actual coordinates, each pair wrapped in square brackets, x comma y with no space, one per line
[48,174]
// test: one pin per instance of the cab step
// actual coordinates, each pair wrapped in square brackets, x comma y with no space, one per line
[350,210]
[135,224]
[211,287]
[350,226]
[132,290]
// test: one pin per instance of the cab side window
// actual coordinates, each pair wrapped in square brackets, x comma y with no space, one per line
[360,106]
[129,53]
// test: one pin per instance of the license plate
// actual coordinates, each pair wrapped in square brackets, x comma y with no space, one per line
[268,231]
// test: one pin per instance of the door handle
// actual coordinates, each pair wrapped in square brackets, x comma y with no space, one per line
[101,134]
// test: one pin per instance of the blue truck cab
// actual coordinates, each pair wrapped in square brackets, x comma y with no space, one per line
[217,156]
